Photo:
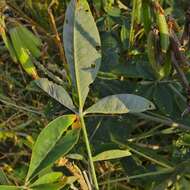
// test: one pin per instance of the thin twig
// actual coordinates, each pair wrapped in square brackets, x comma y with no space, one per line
[179,58]
[20,107]
[180,73]
[58,40]
[163,121]
[127,178]
[49,74]
[87,180]
[186,32]
[75,171]
[56,35]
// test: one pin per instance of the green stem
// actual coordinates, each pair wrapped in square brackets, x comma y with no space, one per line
[165,171]
[167,121]
[89,152]
[20,107]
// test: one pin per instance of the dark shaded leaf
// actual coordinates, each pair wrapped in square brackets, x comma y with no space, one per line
[57,92]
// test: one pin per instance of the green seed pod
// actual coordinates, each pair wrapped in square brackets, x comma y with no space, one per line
[146,16]
[160,62]
[163,27]
[124,35]
[22,53]
[151,51]
[6,40]
[135,20]
[166,67]
[138,8]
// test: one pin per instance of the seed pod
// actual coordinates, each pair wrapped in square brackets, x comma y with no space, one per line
[163,60]
[30,41]
[6,40]
[135,20]
[124,35]
[146,16]
[160,62]
[163,27]
[166,67]
[22,53]
[151,50]
[138,11]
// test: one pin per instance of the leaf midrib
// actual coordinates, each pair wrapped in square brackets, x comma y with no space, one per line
[76,64]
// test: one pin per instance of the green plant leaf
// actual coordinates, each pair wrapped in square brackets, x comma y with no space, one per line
[67,181]
[112,11]
[30,41]
[47,140]
[120,104]
[82,46]
[163,99]
[57,92]
[48,178]
[111,154]
[49,187]
[6,187]
[22,53]
[62,147]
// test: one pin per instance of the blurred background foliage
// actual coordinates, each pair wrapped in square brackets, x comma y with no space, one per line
[158,140]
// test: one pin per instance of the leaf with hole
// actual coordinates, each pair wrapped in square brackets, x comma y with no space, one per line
[82,46]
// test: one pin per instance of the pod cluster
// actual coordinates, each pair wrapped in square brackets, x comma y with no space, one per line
[158,39]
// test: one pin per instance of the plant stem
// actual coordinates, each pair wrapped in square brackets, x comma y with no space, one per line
[167,122]
[89,152]
[164,171]
[58,40]
[13,105]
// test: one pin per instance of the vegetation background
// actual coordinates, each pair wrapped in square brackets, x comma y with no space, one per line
[159,140]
